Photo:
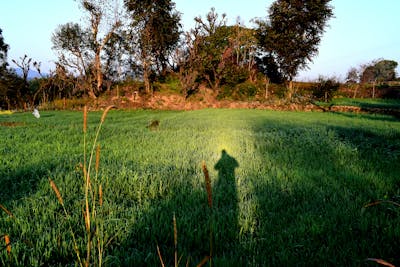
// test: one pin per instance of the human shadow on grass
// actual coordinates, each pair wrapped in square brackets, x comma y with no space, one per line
[226,204]
[201,230]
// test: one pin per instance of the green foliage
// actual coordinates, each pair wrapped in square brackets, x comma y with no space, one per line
[3,52]
[293,32]
[157,25]
[367,103]
[379,71]
[325,88]
[297,197]
[241,91]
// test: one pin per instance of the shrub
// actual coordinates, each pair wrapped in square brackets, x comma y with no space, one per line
[325,88]
[241,91]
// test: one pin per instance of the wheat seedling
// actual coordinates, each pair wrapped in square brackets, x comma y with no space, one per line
[61,201]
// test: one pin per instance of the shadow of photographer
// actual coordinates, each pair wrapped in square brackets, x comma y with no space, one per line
[226,205]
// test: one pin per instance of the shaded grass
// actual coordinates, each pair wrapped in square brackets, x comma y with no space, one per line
[298,197]
[368,103]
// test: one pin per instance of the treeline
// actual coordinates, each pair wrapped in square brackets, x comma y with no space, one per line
[144,41]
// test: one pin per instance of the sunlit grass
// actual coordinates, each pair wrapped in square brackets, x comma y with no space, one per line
[300,187]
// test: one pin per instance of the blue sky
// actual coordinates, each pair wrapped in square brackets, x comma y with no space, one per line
[362,30]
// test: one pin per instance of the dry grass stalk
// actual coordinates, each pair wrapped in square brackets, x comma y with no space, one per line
[159,255]
[97,158]
[87,219]
[100,195]
[6,211]
[175,241]
[380,202]
[381,262]
[84,118]
[208,184]
[103,117]
[204,261]
[55,189]
[8,244]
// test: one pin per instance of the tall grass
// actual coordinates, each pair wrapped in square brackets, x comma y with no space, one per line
[297,197]
[93,201]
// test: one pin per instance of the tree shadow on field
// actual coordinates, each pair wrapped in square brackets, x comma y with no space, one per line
[22,182]
[314,185]
[197,223]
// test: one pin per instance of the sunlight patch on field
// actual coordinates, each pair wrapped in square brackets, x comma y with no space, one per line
[6,112]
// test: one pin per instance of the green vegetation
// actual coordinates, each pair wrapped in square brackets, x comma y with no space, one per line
[367,103]
[298,197]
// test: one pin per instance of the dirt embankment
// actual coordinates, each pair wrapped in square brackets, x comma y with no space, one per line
[206,98]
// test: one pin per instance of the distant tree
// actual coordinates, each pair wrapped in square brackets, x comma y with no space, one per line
[217,53]
[23,93]
[4,74]
[378,71]
[353,75]
[352,79]
[156,31]
[82,48]
[3,52]
[325,88]
[292,33]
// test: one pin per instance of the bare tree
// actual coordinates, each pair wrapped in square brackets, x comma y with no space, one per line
[81,48]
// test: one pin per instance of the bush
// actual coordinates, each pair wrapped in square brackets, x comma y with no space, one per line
[241,91]
[325,89]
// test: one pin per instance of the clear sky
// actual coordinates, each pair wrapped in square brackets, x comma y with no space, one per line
[362,30]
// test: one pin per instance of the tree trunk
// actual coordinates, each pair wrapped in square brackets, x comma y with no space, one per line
[146,78]
[290,90]
[373,89]
[99,74]
[266,88]
[355,90]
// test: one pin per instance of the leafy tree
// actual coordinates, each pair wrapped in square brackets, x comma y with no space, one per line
[157,25]
[379,71]
[293,32]
[217,53]
[3,52]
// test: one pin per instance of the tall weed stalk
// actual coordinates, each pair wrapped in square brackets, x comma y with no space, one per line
[93,197]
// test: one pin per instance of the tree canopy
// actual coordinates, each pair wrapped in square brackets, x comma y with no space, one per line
[292,33]
[3,51]
[156,27]
[379,71]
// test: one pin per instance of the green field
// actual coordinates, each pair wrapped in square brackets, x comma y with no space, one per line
[292,193]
